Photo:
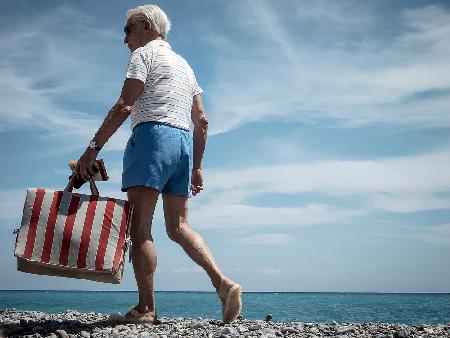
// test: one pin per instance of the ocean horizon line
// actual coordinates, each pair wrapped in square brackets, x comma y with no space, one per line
[271,292]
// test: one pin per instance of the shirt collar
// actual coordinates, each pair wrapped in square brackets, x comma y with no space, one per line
[160,43]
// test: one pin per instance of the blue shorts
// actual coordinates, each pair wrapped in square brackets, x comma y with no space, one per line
[158,156]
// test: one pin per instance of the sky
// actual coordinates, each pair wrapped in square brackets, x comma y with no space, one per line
[328,154]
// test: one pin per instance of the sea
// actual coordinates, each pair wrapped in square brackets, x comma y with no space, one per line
[307,307]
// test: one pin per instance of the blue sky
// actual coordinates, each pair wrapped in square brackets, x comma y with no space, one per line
[328,157]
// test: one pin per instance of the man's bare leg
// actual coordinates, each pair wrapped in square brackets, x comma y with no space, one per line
[143,252]
[176,217]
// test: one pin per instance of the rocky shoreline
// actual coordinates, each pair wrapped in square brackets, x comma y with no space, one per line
[71,324]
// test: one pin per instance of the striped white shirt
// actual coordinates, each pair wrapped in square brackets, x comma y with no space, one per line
[169,85]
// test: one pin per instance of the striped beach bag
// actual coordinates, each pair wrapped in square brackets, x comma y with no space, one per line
[73,235]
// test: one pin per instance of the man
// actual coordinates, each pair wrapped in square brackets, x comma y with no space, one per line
[162,96]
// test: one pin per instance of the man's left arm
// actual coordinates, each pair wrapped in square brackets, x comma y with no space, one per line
[131,90]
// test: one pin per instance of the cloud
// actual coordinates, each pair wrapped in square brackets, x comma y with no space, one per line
[271,239]
[431,233]
[11,207]
[418,173]
[303,69]
[187,270]
[435,234]
[52,84]
[269,271]
[242,215]
[408,203]
[400,184]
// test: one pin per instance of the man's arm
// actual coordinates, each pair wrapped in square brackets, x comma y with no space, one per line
[131,90]
[200,121]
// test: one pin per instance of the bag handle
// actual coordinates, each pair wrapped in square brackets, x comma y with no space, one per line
[94,189]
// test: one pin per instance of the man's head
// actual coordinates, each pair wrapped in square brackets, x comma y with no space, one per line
[144,24]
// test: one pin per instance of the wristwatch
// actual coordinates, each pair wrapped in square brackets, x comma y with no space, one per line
[93,145]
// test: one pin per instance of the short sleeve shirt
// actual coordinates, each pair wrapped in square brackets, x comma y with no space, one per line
[169,85]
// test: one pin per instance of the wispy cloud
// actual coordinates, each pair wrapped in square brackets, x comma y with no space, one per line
[406,203]
[272,239]
[44,70]
[186,270]
[402,184]
[242,215]
[438,234]
[269,271]
[11,206]
[301,68]
[434,234]
[419,173]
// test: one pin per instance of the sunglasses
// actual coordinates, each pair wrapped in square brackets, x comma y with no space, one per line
[127,28]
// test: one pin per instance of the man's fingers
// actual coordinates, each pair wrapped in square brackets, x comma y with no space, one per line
[196,189]
[91,172]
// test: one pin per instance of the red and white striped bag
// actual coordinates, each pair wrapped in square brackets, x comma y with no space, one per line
[73,235]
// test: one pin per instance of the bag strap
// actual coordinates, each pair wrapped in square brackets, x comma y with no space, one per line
[93,186]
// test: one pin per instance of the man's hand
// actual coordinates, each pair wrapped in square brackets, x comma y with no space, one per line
[86,163]
[196,181]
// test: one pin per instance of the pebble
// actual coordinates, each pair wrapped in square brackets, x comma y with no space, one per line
[62,334]
[344,329]
[254,327]
[85,334]
[288,330]
[73,324]
[229,331]
[314,330]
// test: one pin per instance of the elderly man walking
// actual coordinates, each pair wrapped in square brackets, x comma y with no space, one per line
[161,95]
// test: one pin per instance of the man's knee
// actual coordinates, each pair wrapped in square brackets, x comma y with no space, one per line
[140,235]
[177,232]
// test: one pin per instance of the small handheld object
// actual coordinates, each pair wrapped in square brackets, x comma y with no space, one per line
[99,173]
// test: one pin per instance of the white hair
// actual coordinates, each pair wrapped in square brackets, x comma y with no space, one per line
[154,14]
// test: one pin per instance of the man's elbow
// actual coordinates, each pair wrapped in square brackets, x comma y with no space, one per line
[203,121]
[123,108]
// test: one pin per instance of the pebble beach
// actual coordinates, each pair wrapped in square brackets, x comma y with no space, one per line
[71,324]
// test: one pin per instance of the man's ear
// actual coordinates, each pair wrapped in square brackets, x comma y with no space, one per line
[148,25]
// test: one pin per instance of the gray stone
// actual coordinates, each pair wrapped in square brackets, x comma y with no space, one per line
[254,327]
[148,335]
[62,334]
[428,330]
[197,326]
[401,334]
[85,334]
[288,330]
[314,330]
[229,331]
[242,328]
[344,329]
